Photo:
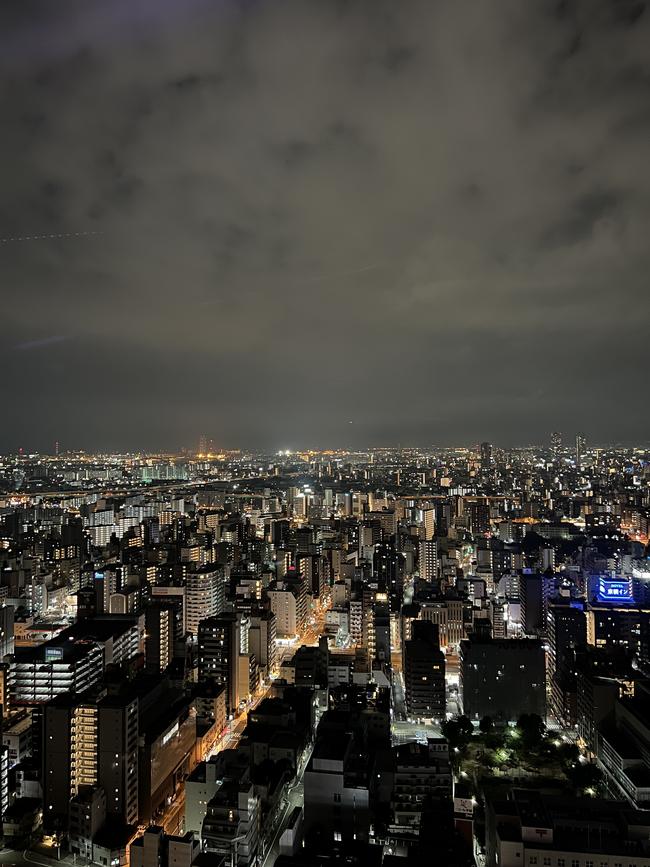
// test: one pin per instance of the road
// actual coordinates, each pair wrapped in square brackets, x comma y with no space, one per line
[398,702]
[175,814]
[315,627]
[294,797]
[13,858]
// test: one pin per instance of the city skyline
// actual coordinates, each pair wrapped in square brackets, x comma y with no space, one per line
[270,220]
[217,451]
[289,659]
[325,446]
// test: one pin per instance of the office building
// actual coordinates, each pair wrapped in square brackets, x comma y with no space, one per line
[428,560]
[530,828]
[424,673]
[336,792]
[219,648]
[581,447]
[90,744]
[204,595]
[231,827]
[502,679]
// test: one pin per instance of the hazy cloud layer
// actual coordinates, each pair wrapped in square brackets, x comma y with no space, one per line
[425,217]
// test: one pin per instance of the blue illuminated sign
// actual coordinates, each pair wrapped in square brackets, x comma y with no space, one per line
[615,590]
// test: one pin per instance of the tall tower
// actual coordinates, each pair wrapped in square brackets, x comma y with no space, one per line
[486,456]
[556,444]
[581,446]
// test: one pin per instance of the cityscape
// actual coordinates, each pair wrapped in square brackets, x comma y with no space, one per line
[218,656]
[324,433]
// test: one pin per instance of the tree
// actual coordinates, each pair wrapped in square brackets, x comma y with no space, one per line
[458,731]
[569,754]
[531,728]
[486,725]
[584,777]
[466,726]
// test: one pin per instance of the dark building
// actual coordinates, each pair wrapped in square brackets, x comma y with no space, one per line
[159,636]
[486,456]
[219,641]
[532,828]
[502,678]
[424,673]
[602,676]
[389,570]
[87,743]
[533,595]
[479,516]
[567,630]
[337,802]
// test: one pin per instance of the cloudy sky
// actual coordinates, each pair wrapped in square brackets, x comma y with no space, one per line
[323,222]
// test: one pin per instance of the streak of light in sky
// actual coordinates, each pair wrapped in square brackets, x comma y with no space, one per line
[55,235]
[43,341]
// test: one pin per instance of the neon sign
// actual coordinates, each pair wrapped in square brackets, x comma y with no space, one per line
[615,590]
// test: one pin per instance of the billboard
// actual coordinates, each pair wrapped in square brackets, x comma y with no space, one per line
[615,590]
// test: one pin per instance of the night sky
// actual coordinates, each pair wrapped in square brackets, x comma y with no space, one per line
[321,223]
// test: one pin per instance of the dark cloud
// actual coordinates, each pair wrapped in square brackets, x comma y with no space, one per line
[428,218]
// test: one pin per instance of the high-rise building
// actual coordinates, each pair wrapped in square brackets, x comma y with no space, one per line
[428,560]
[6,631]
[429,523]
[204,594]
[38,674]
[502,678]
[219,646]
[567,630]
[118,755]
[261,641]
[288,599]
[581,446]
[486,456]
[556,444]
[159,640]
[88,743]
[478,513]
[448,614]
[424,673]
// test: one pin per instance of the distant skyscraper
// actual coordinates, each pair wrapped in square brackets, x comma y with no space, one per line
[581,445]
[486,456]
[203,444]
[556,443]
[429,523]
[428,560]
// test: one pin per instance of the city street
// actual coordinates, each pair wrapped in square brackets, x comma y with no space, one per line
[13,858]
[294,797]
